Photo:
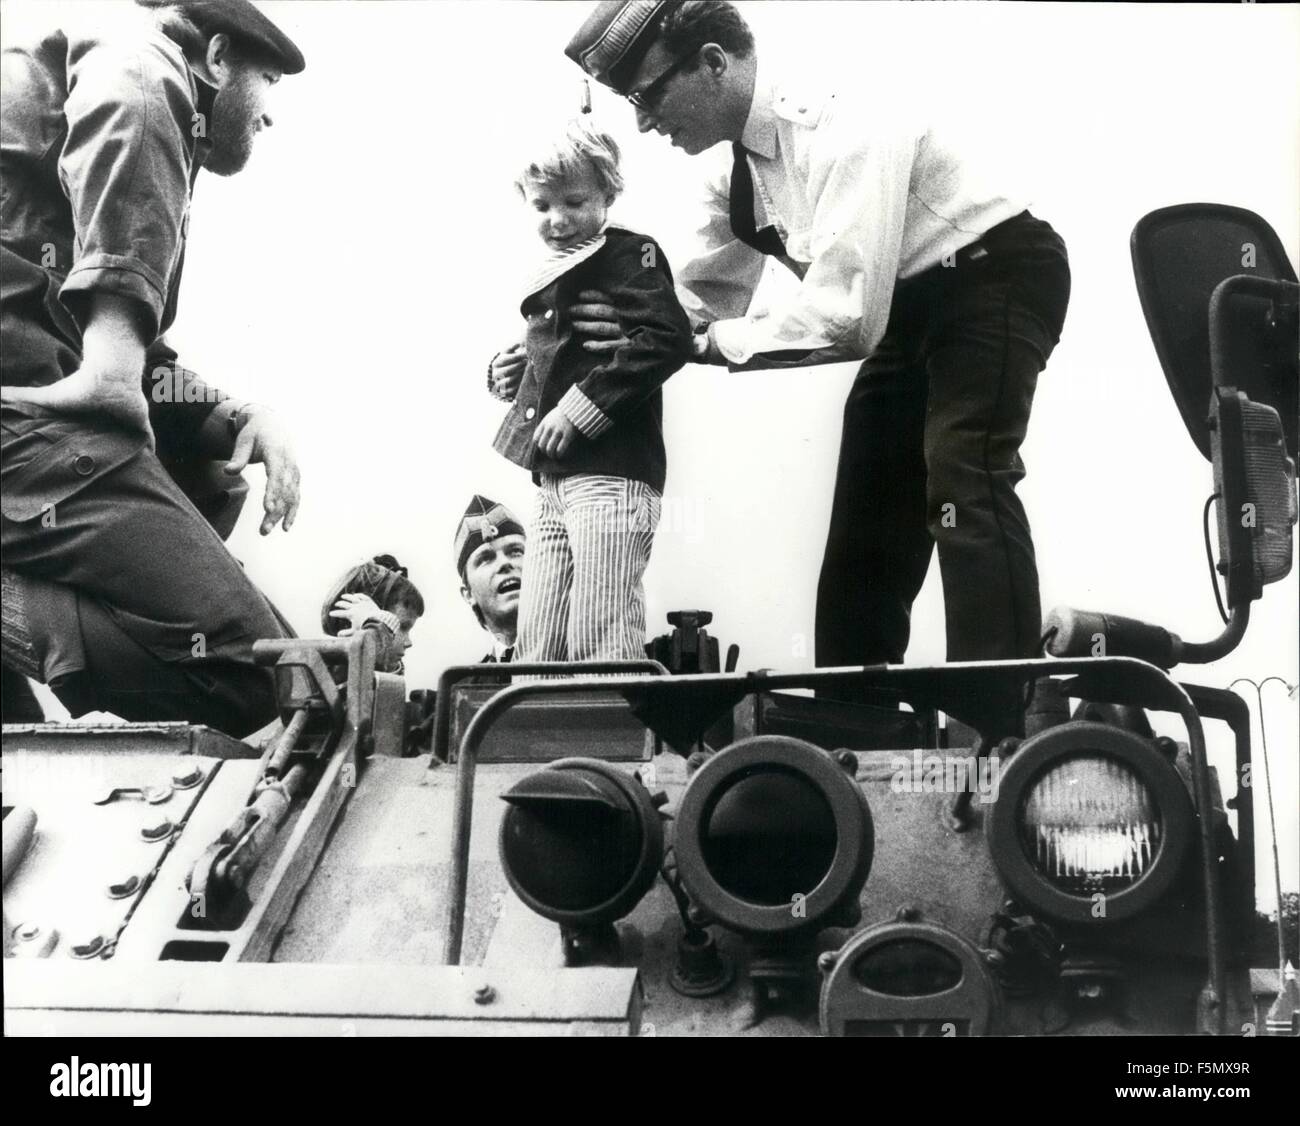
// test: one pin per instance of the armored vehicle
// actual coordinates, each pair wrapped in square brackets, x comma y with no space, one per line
[675,847]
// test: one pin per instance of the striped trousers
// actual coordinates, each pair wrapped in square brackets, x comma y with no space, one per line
[582,597]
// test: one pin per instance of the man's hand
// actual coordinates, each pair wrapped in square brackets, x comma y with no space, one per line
[555,434]
[596,318]
[104,394]
[108,384]
[707,350]
[262,437]
[508,371]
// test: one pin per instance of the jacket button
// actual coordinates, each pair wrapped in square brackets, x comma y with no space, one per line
[529,413]
[84,465]
[546,316]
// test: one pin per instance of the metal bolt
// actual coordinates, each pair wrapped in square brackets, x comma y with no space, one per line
[89,949]
[159,832]
[848,761]
[127,887]
[1167,747]
[1008,747]
[907,914]
[187,781]
[826,960]
[484,995]
[31,940]
[154,795]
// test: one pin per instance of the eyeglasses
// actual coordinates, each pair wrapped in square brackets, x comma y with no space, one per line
[648,97]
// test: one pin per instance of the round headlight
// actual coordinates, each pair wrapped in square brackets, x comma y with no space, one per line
[581,842]
[768,836]
[1092,823]
[772,836]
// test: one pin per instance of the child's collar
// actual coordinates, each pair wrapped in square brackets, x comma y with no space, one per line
[560,262]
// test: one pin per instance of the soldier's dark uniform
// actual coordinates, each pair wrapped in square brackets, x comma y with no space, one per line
[132,602]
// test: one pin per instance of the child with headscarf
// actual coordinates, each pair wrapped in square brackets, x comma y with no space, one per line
[376,595]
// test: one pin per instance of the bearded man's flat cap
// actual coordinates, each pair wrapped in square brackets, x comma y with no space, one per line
[241,20]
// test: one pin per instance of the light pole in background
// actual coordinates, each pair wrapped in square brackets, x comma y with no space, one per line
[1268,795]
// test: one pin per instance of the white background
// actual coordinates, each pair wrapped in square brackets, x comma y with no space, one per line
[360,273]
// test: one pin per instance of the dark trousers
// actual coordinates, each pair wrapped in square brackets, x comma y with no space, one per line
[137,607]
[930,455]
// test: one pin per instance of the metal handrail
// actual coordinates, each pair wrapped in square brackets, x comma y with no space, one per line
[462,814]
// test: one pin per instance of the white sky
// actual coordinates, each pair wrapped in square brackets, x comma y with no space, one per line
[359,275]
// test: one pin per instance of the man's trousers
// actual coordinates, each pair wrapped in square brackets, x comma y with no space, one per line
[930,455]
[132,601]
[582,597]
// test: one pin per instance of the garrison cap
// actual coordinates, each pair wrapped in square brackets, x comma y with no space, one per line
[614,40]
[484,520]
[240,20]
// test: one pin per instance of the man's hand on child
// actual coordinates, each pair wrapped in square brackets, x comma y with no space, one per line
[357,609]
[596,318]
[507,371]
[554,434]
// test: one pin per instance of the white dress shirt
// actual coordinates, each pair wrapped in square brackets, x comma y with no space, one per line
[861,194]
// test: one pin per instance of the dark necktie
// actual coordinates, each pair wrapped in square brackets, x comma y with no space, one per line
[741,209]
[508,655]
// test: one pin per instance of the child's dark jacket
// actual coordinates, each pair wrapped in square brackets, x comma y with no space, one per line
[614,400]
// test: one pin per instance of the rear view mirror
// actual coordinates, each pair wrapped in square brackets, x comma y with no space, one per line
[1181,256]
[1220,299]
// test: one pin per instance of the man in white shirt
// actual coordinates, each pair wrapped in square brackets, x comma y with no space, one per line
[953,295]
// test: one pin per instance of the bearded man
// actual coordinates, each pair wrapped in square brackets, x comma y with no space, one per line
[118,591]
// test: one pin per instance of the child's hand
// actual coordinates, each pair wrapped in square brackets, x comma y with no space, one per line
[507,371]
[356,608]
[554,434]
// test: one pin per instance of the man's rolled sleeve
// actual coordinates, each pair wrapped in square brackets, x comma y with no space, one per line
[125,166]
[584,414]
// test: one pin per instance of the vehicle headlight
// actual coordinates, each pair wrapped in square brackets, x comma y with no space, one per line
[1092,823]
[773,837]
[581,842]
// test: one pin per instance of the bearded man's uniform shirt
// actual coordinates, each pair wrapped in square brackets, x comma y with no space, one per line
[102,133]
